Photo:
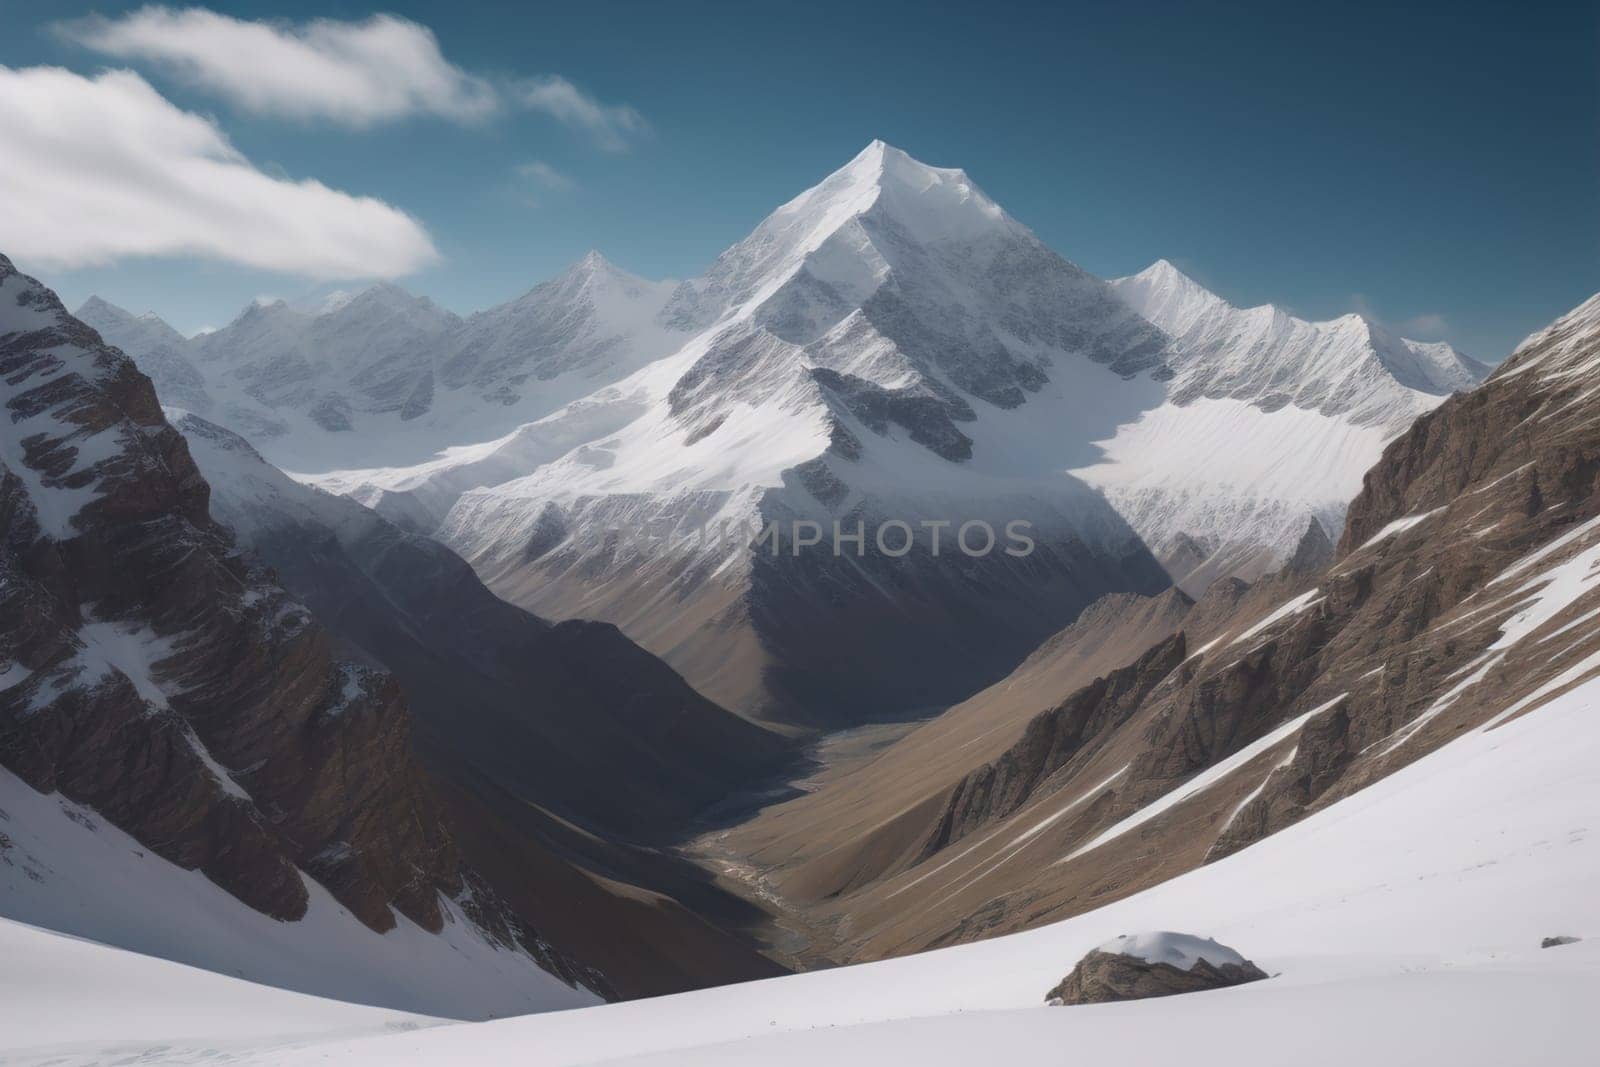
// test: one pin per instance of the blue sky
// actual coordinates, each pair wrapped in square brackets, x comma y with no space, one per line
[1434,165]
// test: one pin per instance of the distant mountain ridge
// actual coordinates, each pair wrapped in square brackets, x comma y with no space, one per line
[889,344]
[1346,366]
[383,374]
[1269,422]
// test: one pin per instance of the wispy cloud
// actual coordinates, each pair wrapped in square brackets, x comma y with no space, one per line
[1428,326]
[544,175]
[1424,326]
[356,73]
[611,125]
[101,169]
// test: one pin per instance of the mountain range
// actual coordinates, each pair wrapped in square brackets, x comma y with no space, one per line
[1268,425]
[359,761]
[888,347]
[1372,774]
[556,653]
[1462,594]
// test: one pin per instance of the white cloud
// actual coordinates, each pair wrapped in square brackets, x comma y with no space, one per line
[358,73]
[104,168]
[543,174]
[609,124]
[379,69]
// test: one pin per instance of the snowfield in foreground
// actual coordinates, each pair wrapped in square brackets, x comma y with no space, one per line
[1401,925]
[66,1000]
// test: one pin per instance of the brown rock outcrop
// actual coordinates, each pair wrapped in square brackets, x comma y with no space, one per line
[1101,977]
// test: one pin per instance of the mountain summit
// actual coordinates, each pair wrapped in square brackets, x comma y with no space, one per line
[888,345]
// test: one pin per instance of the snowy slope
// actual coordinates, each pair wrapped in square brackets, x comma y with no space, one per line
[1233,484]
[137,998]
[1401,925]
[1269,421]
[839,279]
[64,868]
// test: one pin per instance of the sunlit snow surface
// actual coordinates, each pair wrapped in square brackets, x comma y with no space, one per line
[1401,925]
[64,868]
[1269,421]
[1170,947]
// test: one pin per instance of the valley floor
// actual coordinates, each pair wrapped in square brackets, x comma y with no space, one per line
[789,935]
[1401,925]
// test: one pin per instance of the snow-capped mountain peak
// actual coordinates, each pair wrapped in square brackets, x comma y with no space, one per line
[115,323]
[882,189]
[1165,295]
[888,343]
[595,264]
[1434,367]
[261,310]
[1350,365]
[1269,419]
[593,281]
[593,323]
[857,185]
[387,301]
[934,202]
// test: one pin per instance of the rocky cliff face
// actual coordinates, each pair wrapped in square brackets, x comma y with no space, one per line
[1051,741]
[1464,592]
[572,716]
[569,757]
[149,672]
[923,792]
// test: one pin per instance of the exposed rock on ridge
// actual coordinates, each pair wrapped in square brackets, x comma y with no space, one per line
[152,674]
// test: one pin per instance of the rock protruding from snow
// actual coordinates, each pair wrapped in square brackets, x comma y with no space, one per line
[1314,551]
[1154,964]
